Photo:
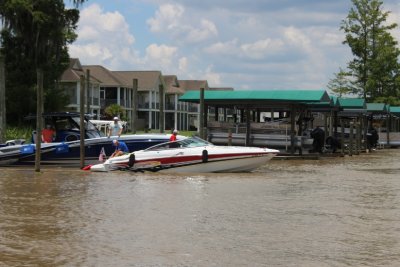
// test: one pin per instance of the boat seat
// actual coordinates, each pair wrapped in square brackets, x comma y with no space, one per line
[33,140]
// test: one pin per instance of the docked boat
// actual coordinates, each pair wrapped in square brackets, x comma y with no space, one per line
[65,149]
[191,155]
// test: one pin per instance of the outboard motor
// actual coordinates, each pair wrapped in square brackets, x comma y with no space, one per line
[333,142]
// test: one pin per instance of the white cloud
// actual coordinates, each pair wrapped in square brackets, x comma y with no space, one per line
[166,18]
[183,64]
[269,44]
[227,48]
[160,55]
[104,38]
[213,78]
[91,51]
[97,23]
[297,38]
[206,30]
[172,19]
[262,48]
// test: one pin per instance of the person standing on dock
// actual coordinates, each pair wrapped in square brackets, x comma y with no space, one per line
[115,128]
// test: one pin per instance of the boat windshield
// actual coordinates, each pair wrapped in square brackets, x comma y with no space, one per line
[184,143]
[89,126]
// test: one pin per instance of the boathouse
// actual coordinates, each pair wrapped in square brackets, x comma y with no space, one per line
[237,116]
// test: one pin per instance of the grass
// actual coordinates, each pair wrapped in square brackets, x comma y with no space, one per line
[13,133]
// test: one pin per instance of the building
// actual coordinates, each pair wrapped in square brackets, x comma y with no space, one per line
[157,95]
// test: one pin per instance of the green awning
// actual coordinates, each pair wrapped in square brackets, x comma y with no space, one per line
[377,107]
[352,103]
[395,111]
[300,96]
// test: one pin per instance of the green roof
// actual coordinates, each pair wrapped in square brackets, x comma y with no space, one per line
[266,95]
[376,107]
[352,103]
[395,110]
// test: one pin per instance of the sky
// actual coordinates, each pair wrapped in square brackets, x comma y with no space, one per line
[243,44]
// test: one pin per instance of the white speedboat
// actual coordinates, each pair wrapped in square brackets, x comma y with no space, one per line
[190,155]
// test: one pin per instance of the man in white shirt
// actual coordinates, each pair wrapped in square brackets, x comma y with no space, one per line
[115,128]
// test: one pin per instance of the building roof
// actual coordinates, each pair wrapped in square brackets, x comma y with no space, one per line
[105,76]
[221,88]
[395,111]
[352,103]
[260,97]
[172,85]
[75,71]
[189,85]
[377,107]
[146,79]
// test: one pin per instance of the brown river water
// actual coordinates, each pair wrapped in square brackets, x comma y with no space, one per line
[328,212]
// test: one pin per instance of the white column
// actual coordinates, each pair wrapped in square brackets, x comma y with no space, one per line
[78,95]
[150,107]
[118,95]
[176,112]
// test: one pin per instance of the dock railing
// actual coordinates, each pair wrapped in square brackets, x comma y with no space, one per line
[273,135]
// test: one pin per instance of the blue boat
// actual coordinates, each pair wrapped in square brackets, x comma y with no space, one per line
[65,150]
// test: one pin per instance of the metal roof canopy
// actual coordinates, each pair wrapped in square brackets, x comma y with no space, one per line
[258,98]
[395,111]
[377,108]
[352,103]
[352,107]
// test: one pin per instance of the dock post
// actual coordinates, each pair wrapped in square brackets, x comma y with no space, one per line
[292,130]
[201,114]
[229,137]
[88,99]
[351,138]
[161,94]
[39,119]
[82,122]
[206,136]
[388,123]
[342,137]
[134,105]
[358,138]
[2,100]
[248,127]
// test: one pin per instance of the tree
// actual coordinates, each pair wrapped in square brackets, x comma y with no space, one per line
[341,85]
[44,28]
[115,110]
[375,65]
[35,38]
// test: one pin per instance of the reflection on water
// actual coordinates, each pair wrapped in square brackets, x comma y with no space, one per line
[330,212]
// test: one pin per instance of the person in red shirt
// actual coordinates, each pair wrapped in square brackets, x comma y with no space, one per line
[48,134]
[173,136]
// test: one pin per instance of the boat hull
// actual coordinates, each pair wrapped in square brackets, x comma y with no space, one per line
[224,166]
[200,159]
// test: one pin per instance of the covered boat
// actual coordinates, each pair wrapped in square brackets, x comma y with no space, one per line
[190,155]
